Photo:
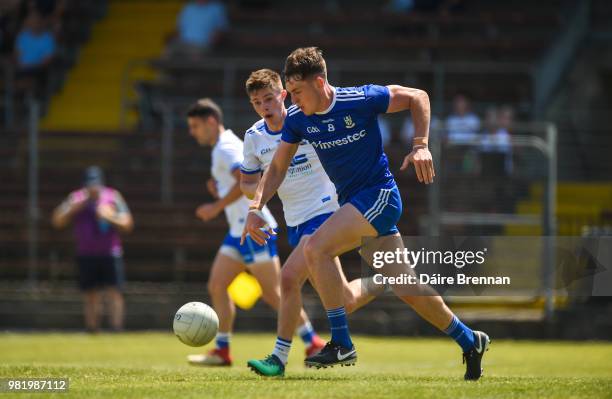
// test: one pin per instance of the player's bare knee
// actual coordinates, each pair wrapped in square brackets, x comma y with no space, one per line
[314,253]
[215,289]
[289,281]
[309,252]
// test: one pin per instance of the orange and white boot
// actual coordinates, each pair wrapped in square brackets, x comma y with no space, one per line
[217,357]
[315,346]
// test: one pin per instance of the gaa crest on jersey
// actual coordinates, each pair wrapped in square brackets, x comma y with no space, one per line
[348,122]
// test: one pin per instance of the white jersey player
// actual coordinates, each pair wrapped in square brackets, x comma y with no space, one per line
[205,121]
[226,158]
[306,193]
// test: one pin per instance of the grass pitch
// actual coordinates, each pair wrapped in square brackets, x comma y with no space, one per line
[152,365]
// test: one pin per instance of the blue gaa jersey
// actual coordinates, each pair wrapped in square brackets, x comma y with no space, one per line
[347,138]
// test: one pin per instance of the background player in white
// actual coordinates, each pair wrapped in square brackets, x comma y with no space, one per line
[342,125]
[205,120]
[308,198]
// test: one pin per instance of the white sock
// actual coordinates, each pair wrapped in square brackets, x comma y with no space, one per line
[281,349]
[306,332]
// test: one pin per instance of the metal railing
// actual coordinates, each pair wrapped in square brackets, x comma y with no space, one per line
[33,214]
[547,147]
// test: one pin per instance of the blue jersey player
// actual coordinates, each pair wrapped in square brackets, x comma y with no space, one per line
[341,124]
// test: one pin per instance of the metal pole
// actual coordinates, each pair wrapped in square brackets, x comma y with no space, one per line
[167,153]
[436,147]
[549,222]
[33,211]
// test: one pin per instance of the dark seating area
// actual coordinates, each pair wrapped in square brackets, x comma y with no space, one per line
[499,36]
[485,49]
[70,24]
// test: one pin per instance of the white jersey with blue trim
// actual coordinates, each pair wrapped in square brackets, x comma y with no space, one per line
[226,158]
[306,191]
[347,138]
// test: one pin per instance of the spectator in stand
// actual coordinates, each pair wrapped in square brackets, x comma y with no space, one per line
[35,45]
[462,124]
[35,48]
[496,139]
[201,24]
[99,214]
[489,125]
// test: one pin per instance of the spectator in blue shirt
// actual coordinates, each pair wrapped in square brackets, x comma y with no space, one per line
[497,138]
[200,26]
[35,45]
[201,21]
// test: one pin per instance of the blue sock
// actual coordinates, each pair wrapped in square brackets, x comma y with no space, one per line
[339,327]
[461,333]
[306,332]
[222,340]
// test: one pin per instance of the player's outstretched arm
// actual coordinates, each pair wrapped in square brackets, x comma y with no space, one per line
[269,183]
[417,101]
[210,211]
[249,183]
[233,194]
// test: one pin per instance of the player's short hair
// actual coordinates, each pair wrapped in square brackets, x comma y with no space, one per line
[304,63]
[204,108]
[263,79]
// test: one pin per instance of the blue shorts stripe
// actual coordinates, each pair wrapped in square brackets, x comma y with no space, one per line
[380,203]
[378,200]
[382,206]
